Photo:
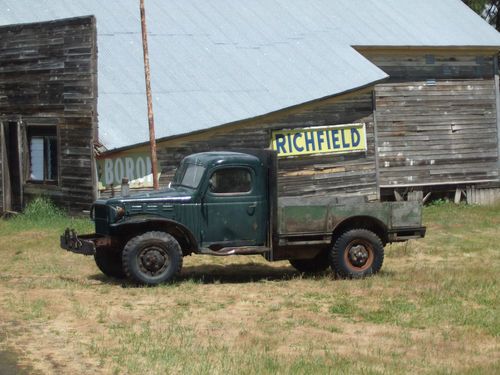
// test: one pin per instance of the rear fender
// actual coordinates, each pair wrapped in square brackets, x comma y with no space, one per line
[362,222]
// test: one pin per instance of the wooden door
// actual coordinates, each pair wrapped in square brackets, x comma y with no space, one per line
[12,165]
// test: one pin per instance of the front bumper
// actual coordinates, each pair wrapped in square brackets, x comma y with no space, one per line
[85,244]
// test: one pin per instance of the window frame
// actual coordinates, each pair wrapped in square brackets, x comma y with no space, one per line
[246,168]
[47,133]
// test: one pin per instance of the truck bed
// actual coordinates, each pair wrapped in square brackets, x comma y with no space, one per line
[317,216]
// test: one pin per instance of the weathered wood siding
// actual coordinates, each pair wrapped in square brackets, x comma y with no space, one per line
[442,133]
[415,64]
[2,208]
[48,76]
[305,175]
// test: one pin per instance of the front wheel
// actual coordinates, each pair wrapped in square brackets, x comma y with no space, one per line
[357,253]
[152,258]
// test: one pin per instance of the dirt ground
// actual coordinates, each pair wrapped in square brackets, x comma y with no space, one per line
[432,309]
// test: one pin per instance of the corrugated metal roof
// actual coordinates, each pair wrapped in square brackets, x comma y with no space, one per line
[219,61]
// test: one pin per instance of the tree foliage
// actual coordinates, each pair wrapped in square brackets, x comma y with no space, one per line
[488,9]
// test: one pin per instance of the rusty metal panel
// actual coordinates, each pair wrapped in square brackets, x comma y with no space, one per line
[406,214]
[300,219]
[321,215]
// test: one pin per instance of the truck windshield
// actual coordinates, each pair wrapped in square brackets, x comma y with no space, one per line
[188,175]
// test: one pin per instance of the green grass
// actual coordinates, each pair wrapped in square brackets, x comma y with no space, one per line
[433,309]
[42,214]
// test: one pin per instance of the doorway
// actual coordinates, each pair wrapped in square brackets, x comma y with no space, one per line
[12,165]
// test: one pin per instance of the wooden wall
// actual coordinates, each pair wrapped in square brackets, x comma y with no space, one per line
[415,64]
[305,175]
[442,133]
[436,125]
[48,76]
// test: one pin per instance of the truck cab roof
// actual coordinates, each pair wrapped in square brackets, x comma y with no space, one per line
[214,158]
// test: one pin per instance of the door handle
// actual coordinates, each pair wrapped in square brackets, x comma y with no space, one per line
[251,208]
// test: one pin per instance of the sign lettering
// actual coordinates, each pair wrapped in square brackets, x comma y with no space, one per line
[136,167]
[321,140]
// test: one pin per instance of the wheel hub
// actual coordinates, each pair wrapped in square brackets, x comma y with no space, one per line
[358,255]
[153,260]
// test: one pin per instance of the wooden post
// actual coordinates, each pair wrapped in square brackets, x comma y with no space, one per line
[20,157]
[375,141]
[497,102]
[6,203]
[125,188]
[458,195]
[152,139]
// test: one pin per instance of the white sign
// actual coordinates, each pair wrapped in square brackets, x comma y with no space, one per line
[135,167]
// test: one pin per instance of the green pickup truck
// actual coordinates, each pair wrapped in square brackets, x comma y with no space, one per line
[226,203]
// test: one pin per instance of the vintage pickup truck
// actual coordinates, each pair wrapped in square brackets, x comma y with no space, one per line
[226,203]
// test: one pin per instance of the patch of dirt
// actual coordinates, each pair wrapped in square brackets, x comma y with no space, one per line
[243,305]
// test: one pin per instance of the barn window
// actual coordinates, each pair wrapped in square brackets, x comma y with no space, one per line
[43,154]
[430,59]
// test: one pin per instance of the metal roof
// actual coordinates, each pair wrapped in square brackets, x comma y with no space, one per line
[219,61]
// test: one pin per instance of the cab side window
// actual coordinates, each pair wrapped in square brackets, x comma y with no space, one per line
[231,181]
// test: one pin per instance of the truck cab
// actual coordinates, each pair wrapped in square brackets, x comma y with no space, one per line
[225,203]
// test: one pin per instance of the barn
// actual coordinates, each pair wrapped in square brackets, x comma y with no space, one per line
[385,99]
[48,114]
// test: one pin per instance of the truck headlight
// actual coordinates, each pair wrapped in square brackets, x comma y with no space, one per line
[118,212]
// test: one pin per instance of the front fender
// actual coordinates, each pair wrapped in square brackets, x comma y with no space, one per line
[135,225]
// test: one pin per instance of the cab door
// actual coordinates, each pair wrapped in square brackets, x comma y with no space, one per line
[234,208]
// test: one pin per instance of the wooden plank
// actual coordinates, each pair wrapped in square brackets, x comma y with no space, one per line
[376,146]
[497,103]
[458,195]
[6,187]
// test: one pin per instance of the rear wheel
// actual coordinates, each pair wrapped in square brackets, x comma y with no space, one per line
[152,258]
[314,265]
[357,253]
[109,261]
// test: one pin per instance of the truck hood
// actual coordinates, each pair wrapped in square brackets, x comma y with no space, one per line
[168,195]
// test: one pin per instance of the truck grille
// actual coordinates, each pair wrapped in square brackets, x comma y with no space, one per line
[100,211]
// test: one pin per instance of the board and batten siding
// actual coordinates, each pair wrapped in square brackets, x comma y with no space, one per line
[307,175]
[416,64]
[437,133]
[48,77]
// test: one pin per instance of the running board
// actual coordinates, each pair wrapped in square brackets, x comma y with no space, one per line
[243,250]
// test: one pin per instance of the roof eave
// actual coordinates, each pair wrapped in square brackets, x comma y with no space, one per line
[493,48]
[107,153]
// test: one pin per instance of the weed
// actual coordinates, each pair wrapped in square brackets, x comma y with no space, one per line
[42,213]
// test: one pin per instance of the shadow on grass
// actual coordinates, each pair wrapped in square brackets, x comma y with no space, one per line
[235,273]
[221,274]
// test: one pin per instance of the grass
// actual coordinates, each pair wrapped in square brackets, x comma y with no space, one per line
[433,309]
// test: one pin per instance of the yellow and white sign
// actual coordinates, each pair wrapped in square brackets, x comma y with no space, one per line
[337,139]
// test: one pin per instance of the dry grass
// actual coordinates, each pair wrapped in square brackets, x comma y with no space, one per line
[434,308]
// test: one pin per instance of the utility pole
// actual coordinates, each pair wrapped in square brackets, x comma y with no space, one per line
[152,139]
